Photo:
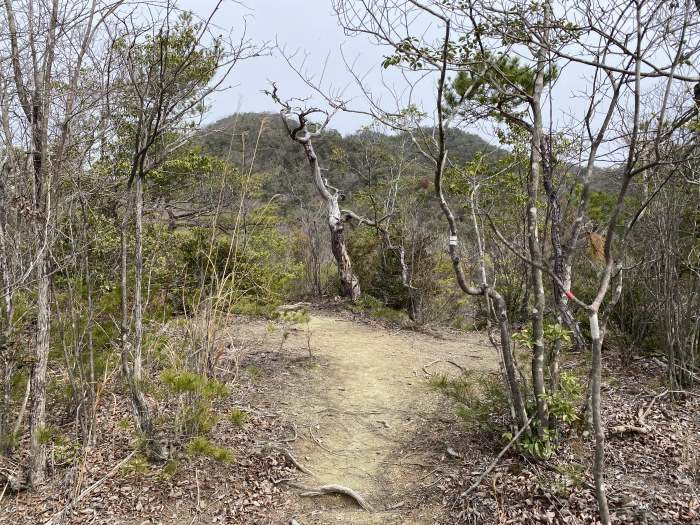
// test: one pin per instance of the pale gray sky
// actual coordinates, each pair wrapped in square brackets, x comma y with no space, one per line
[308,26]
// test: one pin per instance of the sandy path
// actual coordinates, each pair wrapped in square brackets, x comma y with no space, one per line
[358,407]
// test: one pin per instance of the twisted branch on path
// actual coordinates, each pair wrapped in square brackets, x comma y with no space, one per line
[333,489]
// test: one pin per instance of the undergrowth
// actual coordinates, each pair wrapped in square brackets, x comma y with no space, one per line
[482,402]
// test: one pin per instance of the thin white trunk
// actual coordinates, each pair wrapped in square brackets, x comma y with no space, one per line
[37,427]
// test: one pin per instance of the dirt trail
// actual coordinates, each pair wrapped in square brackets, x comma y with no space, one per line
[361,406]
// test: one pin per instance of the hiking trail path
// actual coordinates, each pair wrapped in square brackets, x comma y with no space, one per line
[366,416]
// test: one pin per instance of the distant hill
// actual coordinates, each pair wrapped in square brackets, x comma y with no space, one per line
[262,137]
[228,136]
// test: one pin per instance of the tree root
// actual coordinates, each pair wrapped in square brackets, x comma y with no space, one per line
[630,429]
[273,447]
[333,489]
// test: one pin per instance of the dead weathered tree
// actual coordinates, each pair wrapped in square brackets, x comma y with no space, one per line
[303,132]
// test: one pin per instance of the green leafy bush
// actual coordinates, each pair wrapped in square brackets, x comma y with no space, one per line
[196,394]
[186,382]
[563,402]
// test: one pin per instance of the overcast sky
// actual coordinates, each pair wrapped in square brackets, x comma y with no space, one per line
[308,26]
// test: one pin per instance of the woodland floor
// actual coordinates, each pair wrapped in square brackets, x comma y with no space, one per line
[360,412]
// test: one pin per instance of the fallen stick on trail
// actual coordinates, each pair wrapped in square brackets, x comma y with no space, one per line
[333,489]
[425,368]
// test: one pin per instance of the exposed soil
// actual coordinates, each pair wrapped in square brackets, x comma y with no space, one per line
[359,405]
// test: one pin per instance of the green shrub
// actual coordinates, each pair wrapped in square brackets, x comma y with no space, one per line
[251,278]
[376,308]
[196,418]
[253,371]
[201,446]
[238,417]
[563,403]
[196,394]
[46,434]
[479,398]
[137,465]
[186,382]
[534,446]
[10,440]
[170,467]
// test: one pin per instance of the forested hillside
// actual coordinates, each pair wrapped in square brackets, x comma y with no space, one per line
[262,320]
[261,139]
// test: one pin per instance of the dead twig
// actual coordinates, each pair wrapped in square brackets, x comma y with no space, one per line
[196,479]
[294,438]
[425,368]
[51,520]
[497,458]
[630,429]
[273,447]
[3,491]
[310,492]
[643,415]
[641,427]
[453,453]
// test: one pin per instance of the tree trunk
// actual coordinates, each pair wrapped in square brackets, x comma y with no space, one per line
[509,360]
[598,427]
[349,285]
[133,370]
[6,400]
[37,427]
[559,266]
[535,249]
[6,357]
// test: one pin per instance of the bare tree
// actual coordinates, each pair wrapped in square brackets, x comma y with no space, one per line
[165,71]
[301,132]
[36,33]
